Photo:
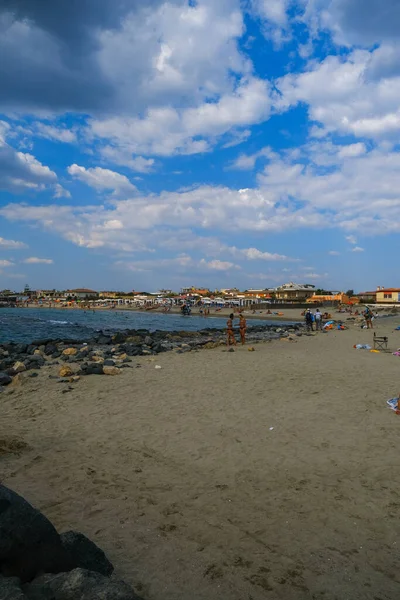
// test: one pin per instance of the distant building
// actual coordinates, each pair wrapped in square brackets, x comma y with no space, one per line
[388,295]
[367,296]
[193,291]
[82,293]
[290,292]
[339,298]
[109,294]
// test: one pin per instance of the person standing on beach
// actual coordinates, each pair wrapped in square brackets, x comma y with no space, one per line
[318,320]
[309,320]
[368,318]
[242,329]
[230,339]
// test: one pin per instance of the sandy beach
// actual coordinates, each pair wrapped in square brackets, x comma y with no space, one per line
[246,475]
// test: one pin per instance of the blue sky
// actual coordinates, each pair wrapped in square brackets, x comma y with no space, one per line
[230,143]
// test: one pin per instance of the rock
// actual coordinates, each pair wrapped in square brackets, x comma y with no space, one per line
[36,360]
[19,367]
[85,554]
[111,370]
[5,379]
[37,352]
[231,350]
[109,363]
[10,589]
[104,340]
[78,584]
[70,351]
[33,375]
[97,359]
[74,379]
[29,544]
[50,349]
[65,371]
[148,341]
[93,369]
[119,337]
[19,379]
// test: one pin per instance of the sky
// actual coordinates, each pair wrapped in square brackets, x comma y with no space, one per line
[194,142]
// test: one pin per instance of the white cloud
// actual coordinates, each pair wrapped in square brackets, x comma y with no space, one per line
[255,254]
[343,97]
[274,17]
[351,239]
[12,244]
[357,249]
[166,131]
[218,265]
[54,133]
[118,156]
[21,172]
[6,263]
[102,179]
[60,192]
[334,253]
[247,162]
[33,260]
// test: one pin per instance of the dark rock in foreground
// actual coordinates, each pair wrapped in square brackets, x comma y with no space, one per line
[84,553]
[29,544]
[36,563]
[78,585]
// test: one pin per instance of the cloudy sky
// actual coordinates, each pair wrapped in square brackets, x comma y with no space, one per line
[218,143]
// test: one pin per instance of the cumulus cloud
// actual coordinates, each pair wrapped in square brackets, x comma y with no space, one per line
[333,253]
[33,260]
[12,244]
[343,98]
[19,171]
[6,263]
[54,133]
[102,179]
[357,249]
[218,265]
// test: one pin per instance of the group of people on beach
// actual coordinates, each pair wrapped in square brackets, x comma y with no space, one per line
[230,332]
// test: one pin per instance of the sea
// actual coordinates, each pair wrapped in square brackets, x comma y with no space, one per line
[27,324]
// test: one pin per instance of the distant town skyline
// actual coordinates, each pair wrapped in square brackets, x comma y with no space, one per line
[227,142]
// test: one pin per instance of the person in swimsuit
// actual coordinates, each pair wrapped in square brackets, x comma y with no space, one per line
[242,329]
[230,335]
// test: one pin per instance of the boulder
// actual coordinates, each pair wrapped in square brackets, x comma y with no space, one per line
[70,351]
[111,370]
[93,369]
[119,337]
[85,554]
[19,367]
[78,584]
[148,341]
[97,359]
[50,349]
[10,589]
[109,363]
[5,379]
[65,371]
[29,544]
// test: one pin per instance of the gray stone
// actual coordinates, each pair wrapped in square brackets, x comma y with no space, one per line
[29,544]
[85,554]
[10,589]
[78,584]
[109,362]
[5,379]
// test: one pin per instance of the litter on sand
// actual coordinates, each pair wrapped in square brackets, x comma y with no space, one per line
[157,367]
[393,403]
[362,347]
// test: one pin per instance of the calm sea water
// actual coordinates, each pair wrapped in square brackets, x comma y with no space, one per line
[27,324]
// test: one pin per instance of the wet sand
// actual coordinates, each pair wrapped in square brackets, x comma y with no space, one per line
[178,475]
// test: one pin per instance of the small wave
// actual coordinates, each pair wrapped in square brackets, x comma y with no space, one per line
[53,322]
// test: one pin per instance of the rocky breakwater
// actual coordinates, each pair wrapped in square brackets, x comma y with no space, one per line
[36,563]
[109,353]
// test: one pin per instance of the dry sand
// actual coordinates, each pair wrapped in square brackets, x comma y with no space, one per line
[178,476]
